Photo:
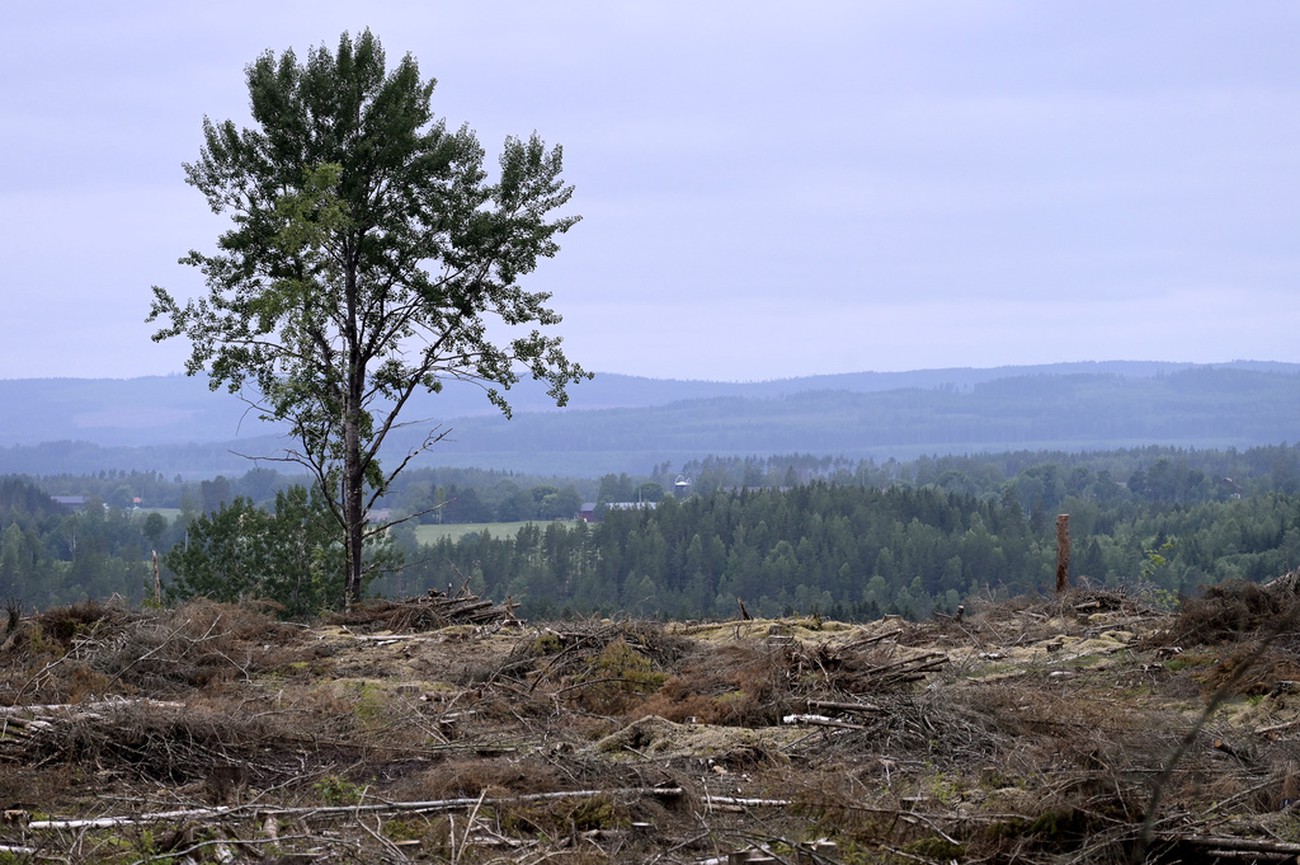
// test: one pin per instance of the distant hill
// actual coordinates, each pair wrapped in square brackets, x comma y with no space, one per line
[175,424]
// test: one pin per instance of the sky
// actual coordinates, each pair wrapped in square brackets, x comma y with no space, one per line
[768,190]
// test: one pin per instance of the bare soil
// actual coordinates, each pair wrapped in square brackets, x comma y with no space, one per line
[1087,728]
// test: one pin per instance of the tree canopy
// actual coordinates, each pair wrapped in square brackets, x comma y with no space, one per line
[371,255]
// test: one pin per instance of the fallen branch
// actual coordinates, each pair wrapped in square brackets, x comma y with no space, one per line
[820,721]
[431,805]
[126,820]
[86,710]
[908,666]
[1276,728]
[866,708]
[1244,845]
[867,641]
[745,803]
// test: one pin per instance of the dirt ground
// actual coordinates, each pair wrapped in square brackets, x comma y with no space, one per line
[1080,729]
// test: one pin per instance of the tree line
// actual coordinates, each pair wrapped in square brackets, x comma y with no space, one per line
[848,538]
[857,552]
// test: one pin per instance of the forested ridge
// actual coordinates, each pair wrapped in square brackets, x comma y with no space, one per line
[799,533]
[620,424]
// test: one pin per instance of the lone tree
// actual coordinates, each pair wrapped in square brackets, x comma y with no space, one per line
[371,256]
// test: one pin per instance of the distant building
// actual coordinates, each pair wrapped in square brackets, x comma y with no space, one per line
[73,503]
[590,512]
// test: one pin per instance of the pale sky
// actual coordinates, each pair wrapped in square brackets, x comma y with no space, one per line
[767,189]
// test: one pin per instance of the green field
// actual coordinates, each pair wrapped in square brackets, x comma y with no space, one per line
[428,534]
[425,534]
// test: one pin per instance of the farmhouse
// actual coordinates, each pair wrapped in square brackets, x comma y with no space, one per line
[590,512]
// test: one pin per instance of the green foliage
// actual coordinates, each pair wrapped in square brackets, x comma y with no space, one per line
[224,555]
[292,556]
[617,677]
[370,257]
[863,540]
[334,791]
[853,551]
[565,818]
[1156,560]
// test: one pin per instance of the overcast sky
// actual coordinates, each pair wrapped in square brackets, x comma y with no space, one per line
[768,189]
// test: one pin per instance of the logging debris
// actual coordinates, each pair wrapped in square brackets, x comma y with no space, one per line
[443,729]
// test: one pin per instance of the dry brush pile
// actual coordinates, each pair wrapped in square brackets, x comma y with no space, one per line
[1088,728]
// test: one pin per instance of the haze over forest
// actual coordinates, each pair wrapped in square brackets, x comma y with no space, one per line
[619,423]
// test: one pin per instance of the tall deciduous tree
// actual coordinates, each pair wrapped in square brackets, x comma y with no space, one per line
[371,256]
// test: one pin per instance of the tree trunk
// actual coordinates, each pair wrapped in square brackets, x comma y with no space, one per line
[1062,553]
[354,385]
[353,512]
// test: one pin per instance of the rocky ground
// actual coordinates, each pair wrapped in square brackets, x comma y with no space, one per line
[1086,728]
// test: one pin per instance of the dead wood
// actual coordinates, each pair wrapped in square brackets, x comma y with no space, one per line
[820,721]
[420,807]
[839,705]
[490,742]
[430,612]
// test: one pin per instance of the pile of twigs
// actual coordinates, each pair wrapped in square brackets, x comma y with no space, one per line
[427,613]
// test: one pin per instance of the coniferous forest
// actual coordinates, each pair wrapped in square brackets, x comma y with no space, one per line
[855,552]
[793,534]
